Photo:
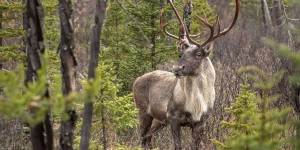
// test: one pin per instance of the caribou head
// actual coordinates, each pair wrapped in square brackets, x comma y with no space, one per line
[192,52]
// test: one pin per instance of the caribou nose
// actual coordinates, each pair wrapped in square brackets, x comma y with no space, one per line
[178,69]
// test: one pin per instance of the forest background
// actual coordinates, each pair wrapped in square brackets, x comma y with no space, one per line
[53,76]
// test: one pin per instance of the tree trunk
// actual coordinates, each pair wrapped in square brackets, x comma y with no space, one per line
[34,48]
[1,65]
[297,109]
[68,71]
[266,14]
[277,12]
[94,57]
[153,42]
[1,28]
[169,17]
[187,15]
[104,135]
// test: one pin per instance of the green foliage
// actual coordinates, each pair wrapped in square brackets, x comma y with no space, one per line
[11,32]
[241,126]
[262,81]
[256,124]
[19,100]
[126,48]
[12,20]
[11,16]
[11,53]
[201,8]
[11,6]
[118,113]
[51,24]
[287,52]
[122,113]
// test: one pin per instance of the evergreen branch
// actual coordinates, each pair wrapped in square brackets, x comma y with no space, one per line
[9,18]
[10,32]
[138,26]
[14,7]
[10,48]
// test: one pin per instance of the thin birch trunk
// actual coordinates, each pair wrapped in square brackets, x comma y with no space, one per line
[266,14]
[93,64]
[68,71]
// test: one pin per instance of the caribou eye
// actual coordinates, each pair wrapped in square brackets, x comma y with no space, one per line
[198,54]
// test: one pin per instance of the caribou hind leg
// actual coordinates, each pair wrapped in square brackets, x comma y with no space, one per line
[156,126]
[145,121]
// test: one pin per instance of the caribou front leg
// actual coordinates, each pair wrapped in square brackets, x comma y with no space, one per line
[175,127]
[198,131]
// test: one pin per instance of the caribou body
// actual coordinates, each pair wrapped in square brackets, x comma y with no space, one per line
[184,97]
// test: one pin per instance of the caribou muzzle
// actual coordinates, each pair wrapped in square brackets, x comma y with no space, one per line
[178,70]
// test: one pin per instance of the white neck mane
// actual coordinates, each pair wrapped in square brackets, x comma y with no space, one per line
[198,92]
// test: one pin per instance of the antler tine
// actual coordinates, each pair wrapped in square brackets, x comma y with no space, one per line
[212,32]
[211,27]
[237,10]
[178,17]
[164,25]
[196,35]
[217,23]
[204,21]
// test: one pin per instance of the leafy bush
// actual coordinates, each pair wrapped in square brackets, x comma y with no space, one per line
[255,123]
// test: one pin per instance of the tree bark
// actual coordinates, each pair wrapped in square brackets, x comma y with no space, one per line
[277,12]
[187,15]
[1,28]
[266,14]
[94,58]
[104,135]
[153,41]
[169,17]
[297,109]
[68,71]
[34,47]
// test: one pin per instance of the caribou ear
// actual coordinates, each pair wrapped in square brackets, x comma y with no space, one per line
[208,48]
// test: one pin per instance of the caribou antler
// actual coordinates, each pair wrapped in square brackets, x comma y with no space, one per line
[164,25]
[212,27]
[182,25]
[217,24]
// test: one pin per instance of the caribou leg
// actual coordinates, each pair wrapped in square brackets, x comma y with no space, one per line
[145,124]
[156,125]
[196,136]
[198,131]
[175,127]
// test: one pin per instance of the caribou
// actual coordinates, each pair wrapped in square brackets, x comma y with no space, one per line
[186,96]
